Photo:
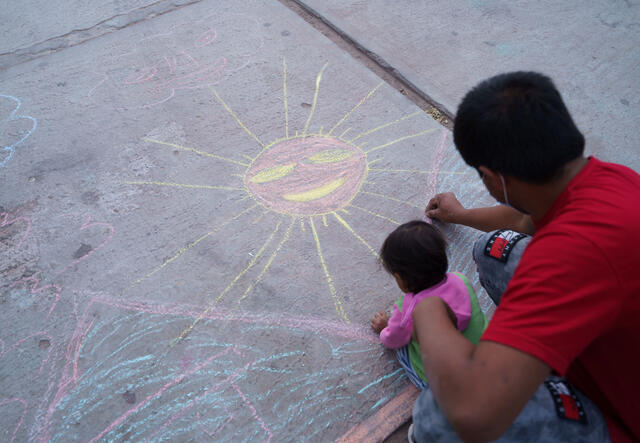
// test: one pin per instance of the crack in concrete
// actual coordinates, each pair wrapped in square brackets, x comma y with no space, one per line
[368,58]
[79,36]
[373,61]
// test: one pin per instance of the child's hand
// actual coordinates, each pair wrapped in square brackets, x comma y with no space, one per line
[379,321]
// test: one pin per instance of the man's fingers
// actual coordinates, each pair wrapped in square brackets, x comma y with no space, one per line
[433,213]
[433,203]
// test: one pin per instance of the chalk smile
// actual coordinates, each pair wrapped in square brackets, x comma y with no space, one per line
[316,193]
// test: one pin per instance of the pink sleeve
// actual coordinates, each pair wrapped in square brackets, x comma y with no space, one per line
[397,333]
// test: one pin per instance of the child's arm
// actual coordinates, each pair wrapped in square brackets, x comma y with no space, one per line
[396,334]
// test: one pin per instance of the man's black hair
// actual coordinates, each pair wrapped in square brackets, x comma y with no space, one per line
[417,251]
[517,124]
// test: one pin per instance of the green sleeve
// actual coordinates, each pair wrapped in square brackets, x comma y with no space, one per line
[478,321]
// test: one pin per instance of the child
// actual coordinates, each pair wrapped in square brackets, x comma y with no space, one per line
[415,254]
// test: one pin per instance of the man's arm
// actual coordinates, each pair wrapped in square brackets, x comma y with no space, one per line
[480,389]
[446,208]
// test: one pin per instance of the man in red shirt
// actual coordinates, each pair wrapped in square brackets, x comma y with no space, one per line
[572,303]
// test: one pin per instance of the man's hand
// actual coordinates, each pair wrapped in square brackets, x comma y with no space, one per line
[379,321]
[445,207]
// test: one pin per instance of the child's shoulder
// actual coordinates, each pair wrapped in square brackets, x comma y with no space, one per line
[461,276]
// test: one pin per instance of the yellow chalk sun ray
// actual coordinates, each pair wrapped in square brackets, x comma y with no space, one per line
[416,171]
[344,133]
[184,185]
[284,239]
[393,142]
[385,125]
[315,100]
[355,234]
[238,121]
[258,218]
[388,197]
[194,243]
[185,148]
[375,214]
[334,294]
[284,93]
[354,108]
[252,262]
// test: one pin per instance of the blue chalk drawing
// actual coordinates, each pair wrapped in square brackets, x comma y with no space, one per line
[11,149]
[396,372]
[222,400]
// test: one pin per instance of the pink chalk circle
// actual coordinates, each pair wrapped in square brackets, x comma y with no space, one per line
[310,175]
[143,75]
[206,38]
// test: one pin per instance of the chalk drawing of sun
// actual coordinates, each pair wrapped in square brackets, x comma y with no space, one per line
[308,177]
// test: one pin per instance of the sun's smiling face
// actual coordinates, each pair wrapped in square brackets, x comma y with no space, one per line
[311,178]
[310,175]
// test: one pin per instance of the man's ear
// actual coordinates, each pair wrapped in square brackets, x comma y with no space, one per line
[490,177]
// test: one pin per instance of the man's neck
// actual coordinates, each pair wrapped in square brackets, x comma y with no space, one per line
[540,197]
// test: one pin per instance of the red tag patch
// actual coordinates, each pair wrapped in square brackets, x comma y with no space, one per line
[501,243]
[498,247]
[567,404]
[570,407]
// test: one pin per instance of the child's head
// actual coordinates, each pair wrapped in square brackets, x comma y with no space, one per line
[415,252]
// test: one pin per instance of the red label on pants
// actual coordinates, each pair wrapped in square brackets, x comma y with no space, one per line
[570,407]
[498,247]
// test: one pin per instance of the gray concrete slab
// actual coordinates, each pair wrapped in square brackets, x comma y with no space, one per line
[591,50]
[40,28]
[35,21]
[190,211]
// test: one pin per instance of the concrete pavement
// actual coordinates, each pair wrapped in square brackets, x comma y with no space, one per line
[193,194]
[590,49]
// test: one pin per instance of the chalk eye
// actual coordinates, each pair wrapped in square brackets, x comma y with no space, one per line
[331,156]
[274,173]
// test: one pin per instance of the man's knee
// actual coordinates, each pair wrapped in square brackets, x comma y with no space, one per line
[429,423]
[497,254]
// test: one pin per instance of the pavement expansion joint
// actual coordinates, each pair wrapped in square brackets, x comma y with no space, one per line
[78,36]
[372,61]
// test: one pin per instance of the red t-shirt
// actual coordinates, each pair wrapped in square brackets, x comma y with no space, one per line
[574,299]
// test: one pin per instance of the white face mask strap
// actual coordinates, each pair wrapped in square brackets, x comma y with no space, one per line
[504,189]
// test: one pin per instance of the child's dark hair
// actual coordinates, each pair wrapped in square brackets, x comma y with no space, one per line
[417,252]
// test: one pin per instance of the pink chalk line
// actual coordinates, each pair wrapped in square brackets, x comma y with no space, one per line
[314,324]
[204,39]
[86,225]
[24,411]
[56,289]
[194,401]
[220,428]
[263,425]
[7,221]
[433,178]
[151,397]
[230,379]
[34,289]
[69,374]
[19,342]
